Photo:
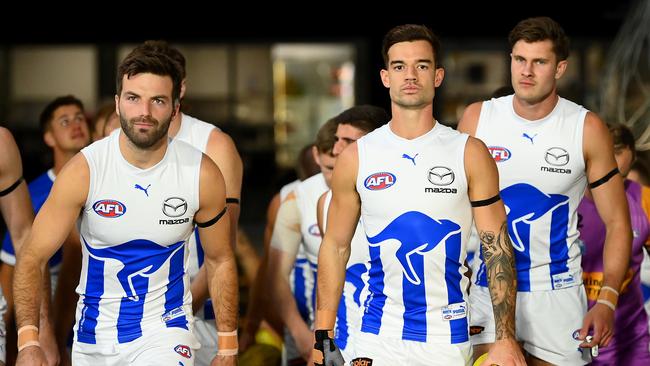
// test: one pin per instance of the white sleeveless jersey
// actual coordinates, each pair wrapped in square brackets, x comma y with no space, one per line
[134,228]
[416,215]
[196,133]
[542,180]
[307,194]
[348,316]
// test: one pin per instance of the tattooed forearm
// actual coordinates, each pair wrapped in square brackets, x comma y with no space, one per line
[502,279]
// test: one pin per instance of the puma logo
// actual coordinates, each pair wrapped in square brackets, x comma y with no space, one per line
[137,186]
[525,135]
[412,159]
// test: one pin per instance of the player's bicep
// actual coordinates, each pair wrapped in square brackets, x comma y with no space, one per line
[221,149]
[60,211]
[598,149]
[286,235]
[345,206]
[211,219]
[469,121]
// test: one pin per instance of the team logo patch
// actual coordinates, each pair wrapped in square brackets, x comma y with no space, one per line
[441,176]
[499,153]
[476,329]
[109,208]
[314,231]
[361,361]
[556,156]
[379,181]
[174,207]
[183,350]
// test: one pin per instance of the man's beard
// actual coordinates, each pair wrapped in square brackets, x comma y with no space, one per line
[145,140]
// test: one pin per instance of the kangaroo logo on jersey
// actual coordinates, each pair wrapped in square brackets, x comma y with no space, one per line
[441,176]
[109,208]
[379,181]
[499,153]
[140,259]
[556,156]
[353,277]
[183,350]
[417,234]
[174,207]
[525,204]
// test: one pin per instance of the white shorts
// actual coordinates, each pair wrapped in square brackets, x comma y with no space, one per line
[545,322]
[383,351]
[205,332]
[170,346]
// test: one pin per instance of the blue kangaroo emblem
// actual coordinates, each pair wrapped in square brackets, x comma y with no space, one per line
[526,204]
[412,159]
[417,234]
[137,186]
[140,258]
[529,137]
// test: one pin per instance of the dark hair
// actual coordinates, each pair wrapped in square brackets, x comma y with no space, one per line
[622,137]
[164,47]
[326,137]
[642,169]
[365,117]
[104,112]
[540,29]
[306,166]
[48,113]
[144,59]
[410,33]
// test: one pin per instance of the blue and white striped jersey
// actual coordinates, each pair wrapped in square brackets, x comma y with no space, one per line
[416,214]
[542,180]
[134,229]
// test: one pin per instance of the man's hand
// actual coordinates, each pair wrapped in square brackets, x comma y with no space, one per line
[49,345]
[325,351]
[600,319]
[31,356]
[505,352]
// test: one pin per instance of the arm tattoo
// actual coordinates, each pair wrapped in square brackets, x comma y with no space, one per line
[502,279]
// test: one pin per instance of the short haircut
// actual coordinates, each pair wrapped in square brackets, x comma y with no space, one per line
[365,117]
[48,113]
[623,137]
[144,59]
[410,33]
[326,137]
[541,29]
[306,166]
[164,47]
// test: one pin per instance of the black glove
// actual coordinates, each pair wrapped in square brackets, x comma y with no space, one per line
[331,354]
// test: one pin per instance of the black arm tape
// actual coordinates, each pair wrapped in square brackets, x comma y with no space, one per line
[486,202]
[604,179]
[232,200]
[11,187]
[213,221]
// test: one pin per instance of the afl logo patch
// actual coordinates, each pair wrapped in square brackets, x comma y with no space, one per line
[174,207]
[441,176]
[499,153]
[109,208]
[379,181]
[314,231]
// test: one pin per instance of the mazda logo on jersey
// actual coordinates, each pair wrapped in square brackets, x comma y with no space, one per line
[556,156]
[441,176]
[174,207]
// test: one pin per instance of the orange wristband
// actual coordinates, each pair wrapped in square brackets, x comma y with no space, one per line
[609,295]
[227,342]
[27,336]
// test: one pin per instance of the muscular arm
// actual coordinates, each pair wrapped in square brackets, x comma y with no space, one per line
[221,149]
[612,207]
[342,219]
[285,242]
[219,256]
[51,227]
[495,243]
[469,121]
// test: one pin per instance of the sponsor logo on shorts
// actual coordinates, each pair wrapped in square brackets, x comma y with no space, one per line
[476,329]
[183,350]
[454,311]
[173,314]
[361,361]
